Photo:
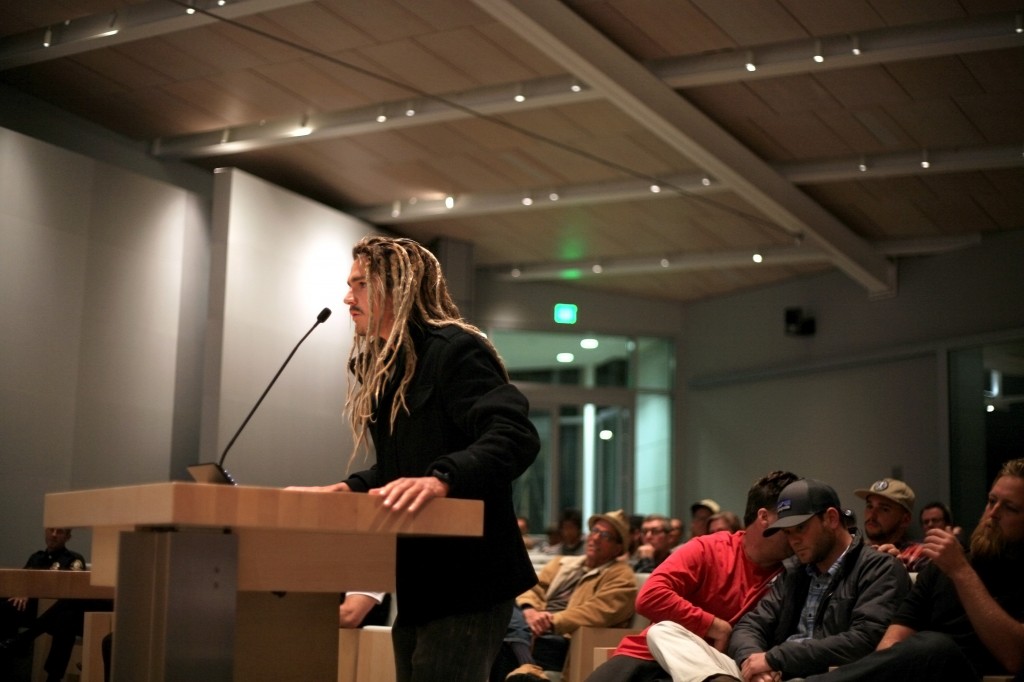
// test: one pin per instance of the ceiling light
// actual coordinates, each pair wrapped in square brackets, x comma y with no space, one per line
[381,116]
[449,202]
[396,208]
[706,181]
[664,263]
[576,87]
[818,56]
[605,434]
[221,3]
[589,344]
[596,269]
[190,9]
[1020,24]
[925,163]
[516,272]
[303,128]
[527,200]
[554,196]
[757,257]
[519,96]
[863,165]
[47,37]
[565,357]
[750,66]
[410,110]
[655,189]
[855,46]
[111,30]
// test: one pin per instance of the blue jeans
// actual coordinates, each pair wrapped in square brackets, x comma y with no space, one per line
[457,648]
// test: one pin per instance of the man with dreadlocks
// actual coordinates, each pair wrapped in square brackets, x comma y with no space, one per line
[445,422]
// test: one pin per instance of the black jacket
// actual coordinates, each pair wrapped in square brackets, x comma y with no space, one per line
[467,421]
[852,617]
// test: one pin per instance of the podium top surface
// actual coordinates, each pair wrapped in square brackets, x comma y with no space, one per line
[224,506]
[26,582]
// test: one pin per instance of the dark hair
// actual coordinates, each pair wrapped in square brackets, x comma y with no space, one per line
[947,516]
[572,515]
[765,493]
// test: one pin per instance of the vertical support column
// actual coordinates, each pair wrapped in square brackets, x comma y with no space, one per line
[175,607]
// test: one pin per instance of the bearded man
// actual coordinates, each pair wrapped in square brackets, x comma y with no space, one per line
[964,617]
[434,396]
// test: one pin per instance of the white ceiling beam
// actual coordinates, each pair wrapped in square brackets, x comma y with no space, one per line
[776,256]
[562,35]
[884,45]
[898,164]
[126,24]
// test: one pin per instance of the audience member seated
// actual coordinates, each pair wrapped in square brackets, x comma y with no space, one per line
[570,527]
[965,615]
[675,532]
[524,530]
[655,548]
[552,544]
[707,585]
[724,520]
[700,512]
[888,512]
[593,590]
[829,609]
[636,537]
[63,621]
[937,515]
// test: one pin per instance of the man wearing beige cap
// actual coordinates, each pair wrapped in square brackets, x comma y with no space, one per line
[700,512]
[888,511]
[594,589]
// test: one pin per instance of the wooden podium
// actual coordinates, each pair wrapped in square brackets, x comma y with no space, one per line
[240,583]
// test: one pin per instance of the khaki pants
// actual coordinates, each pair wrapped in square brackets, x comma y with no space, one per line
[687,657]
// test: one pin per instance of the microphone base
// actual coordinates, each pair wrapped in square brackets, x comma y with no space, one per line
[210,472]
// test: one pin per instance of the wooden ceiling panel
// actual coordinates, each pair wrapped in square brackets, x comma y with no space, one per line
[728,103]
[794,94]
[476,56]
[996,71]
[311,86]
[652,29]
[313,26]
[119,67]
[863,87]
[803,136]
[408,62]
[934,78]
[224,48]
[898,12]
[833,18]
[388,22]
[441,15]
[1006,202]
[998,118]
[752,23]
[258,35]
[851,131]
[936,123]
[529,55]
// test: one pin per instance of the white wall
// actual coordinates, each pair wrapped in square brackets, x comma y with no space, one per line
[91,263]
[864,396]
[279,259]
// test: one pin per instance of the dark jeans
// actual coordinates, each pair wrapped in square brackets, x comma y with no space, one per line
[520,646]
[628,669]
[459,648]
[922,657]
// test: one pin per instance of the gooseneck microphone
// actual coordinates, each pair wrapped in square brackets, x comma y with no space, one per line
[214,472]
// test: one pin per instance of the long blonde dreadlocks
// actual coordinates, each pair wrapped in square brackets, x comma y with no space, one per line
[405,275]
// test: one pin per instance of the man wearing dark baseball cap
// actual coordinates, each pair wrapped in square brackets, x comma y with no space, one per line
[832,607]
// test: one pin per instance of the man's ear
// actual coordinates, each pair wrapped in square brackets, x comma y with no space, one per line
[762,517]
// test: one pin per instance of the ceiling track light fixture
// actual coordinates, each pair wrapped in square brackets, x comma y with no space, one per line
[596,269]
[381,116]
[1019,28]
[191,7]
[705,181]
[527,200]
[449,202]
[925,163]
[750,65]
[396,208]
[863,165]
[655,188]
[111,28]
[410,110]
[576,87]
[519,96]
[757,257]
[47,37]
[554,196]
[819,56]
[855,45]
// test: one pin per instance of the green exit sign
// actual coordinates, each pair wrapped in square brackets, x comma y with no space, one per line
[565,313]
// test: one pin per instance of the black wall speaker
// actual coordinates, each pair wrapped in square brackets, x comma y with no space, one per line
[798,324]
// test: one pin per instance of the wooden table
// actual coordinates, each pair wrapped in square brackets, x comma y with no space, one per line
[236,582]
